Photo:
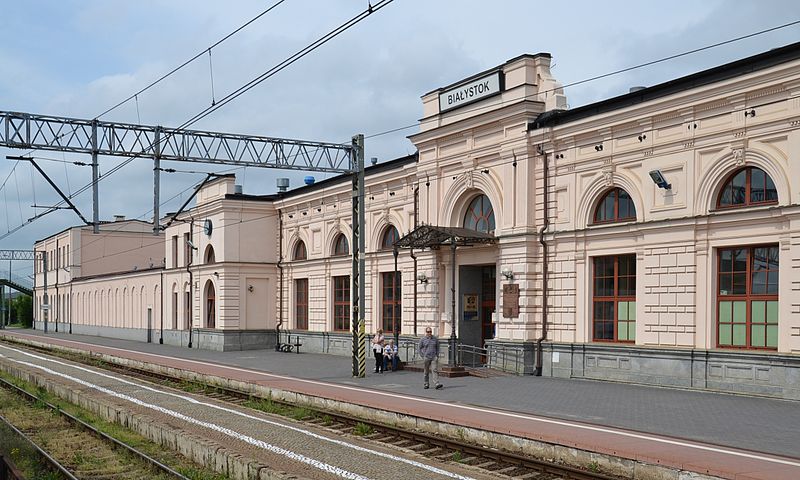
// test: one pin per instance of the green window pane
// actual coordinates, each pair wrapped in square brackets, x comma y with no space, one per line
[725,312]
[622,331]
[739,312]
[757,336]
[622,311]
[772,311]
[759,310]
[632,329]
[739,335]
[772,336]
[725,335]
[632,311]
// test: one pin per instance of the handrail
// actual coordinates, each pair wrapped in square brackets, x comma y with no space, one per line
[499,357]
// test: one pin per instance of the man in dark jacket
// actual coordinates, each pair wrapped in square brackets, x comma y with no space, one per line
[429,350]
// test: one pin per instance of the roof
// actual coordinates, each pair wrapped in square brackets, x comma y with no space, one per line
[432,236]
[489,70]
[370,170]
[754,63]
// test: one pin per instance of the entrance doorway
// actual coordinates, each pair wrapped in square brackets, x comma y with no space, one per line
[477,287]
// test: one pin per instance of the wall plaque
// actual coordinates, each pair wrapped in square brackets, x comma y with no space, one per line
[510,300]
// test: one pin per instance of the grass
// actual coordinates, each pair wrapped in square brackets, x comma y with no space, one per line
[170,458]
[457,456]
[362,429]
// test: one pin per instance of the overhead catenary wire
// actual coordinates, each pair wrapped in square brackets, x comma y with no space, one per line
[195,57]
[259,79]
[238,92]
[605,75]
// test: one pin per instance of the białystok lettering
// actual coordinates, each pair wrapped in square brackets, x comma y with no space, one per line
[467,93]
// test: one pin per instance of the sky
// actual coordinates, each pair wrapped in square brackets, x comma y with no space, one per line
[77,58]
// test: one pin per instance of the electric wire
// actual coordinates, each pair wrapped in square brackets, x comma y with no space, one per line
[238,92]
[605,75]
[195,57]
[334,33]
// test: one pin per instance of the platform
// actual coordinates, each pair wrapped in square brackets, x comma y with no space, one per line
[731,436]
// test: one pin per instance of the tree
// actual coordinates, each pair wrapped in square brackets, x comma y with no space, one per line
[23,305]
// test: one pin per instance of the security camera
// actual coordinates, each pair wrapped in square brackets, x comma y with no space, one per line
[658,179]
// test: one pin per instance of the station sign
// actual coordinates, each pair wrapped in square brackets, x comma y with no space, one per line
[471,91]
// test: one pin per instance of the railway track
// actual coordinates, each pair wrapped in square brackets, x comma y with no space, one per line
[71,448]
[501,464]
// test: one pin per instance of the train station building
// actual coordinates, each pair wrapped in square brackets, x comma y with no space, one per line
[652,237]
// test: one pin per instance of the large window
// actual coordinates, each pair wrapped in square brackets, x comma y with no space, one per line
[391,301]
[300,251]
[301,303]
[480,215]
[614,301]
[747,302]
[746,187]
[615,205]
[390,236]
[340,246]
[341,303]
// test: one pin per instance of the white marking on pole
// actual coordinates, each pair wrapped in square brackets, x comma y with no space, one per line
[523,416]
[242,414]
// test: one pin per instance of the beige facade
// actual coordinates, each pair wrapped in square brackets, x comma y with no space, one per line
[694,283]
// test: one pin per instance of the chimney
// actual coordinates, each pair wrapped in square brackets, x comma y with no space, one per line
[283,184]
[237,189]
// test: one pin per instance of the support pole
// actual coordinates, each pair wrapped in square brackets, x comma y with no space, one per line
[358,324]
[157,182]
[95,181]
[453,302]
[395,328]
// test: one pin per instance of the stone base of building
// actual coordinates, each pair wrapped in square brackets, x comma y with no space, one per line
[341,343]
[202,338]
[773,375]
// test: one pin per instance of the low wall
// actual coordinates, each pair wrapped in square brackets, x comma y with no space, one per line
[773,375]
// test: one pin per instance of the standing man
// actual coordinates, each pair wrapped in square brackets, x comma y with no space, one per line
[429,350]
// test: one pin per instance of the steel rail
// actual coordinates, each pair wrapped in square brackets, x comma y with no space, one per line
[50,460]
[498,456]
[80,423]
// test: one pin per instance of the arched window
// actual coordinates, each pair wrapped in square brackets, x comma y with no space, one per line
[300,251]
[615,205]
[480,215]
[747,186]
[340,245]
[209,256]
[390,236]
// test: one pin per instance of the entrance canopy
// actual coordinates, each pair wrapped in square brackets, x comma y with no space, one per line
[433,237]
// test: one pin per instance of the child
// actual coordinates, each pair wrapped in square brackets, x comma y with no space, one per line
[390,355]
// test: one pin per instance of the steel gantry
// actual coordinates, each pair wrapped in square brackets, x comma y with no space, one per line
[95,138]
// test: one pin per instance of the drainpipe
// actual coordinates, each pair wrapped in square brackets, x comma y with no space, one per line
[280,282]
[161,309]
[538,368]
[414,257]
[57,263]
[191,282]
